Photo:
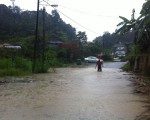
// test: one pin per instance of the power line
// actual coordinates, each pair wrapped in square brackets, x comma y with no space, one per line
[87,13]
[83,12]
[72,19]
[78,23]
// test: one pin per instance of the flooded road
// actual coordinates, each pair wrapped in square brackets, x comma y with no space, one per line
[72,94]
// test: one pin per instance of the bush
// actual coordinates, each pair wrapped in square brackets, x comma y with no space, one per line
[48,63]
[15,67]
[126,67]
[21,63]
[40,67]
[6,63]
[13,72]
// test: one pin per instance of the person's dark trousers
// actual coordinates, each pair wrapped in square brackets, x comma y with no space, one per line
[99,69]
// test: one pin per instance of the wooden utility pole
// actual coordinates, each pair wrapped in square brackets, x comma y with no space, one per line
[36,39]
[43,45]
[103,45]
[132,16]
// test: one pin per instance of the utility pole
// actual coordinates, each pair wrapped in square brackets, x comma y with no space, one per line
[103,44]
[13,5]
[43,47]
[132,16]
[36,39]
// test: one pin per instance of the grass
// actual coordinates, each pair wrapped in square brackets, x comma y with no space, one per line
[14,67]
[126,67]
[13,72]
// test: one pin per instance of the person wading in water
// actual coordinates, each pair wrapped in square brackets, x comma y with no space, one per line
[99,64]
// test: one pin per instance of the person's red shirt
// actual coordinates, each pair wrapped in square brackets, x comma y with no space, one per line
[99,63]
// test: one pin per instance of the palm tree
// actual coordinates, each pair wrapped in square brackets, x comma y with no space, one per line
[143,34]
[141,29]
[126,26]
[130,26]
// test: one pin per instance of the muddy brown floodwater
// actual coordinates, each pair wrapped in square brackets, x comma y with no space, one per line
[72,94]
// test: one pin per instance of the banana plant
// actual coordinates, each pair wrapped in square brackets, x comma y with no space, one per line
[144,24]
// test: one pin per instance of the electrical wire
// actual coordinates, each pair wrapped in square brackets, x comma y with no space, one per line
[87,13]
[71,19]
[78,23]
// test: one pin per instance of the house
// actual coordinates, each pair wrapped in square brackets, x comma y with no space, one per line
[73,47]
[54,44]
[9,46]
[119,50]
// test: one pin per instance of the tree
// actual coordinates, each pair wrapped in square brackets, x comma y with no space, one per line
[126,26]
[143,32]
[140,28]
[107,40]
[82,37]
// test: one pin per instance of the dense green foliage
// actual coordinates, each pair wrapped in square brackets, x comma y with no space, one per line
[140,28]
[17,66]
[15,23]
[18,28]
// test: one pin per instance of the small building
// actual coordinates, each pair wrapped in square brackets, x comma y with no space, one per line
[119,50]
[10,50]
[9,46]
[54,44]
[73,47]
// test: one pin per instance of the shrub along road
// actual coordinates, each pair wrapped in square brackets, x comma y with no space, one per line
[72,94]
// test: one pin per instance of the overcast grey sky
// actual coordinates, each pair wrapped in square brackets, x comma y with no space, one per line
[92,16]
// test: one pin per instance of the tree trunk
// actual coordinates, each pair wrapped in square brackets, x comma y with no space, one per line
[136,64]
